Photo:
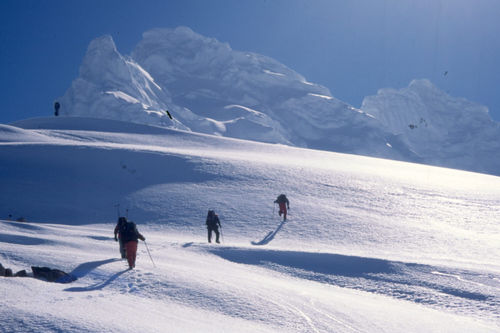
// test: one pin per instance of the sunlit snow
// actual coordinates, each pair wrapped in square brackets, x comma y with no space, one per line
[197,77]
[124,96]
[321,96]
[371,245]
[272,73]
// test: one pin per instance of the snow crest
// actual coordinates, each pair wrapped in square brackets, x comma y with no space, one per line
[441,129]
[196,78]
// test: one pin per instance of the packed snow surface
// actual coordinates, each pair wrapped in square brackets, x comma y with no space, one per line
[370,245]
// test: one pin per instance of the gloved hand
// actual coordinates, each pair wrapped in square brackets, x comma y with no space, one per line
[116,239]
[143,238]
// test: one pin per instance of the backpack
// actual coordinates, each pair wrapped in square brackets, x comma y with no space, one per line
[127,231]
[211,219]
[281,198]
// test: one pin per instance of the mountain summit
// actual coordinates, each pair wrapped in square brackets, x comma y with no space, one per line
[210,88]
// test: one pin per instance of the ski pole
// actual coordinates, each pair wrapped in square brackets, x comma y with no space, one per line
[221,234]
[118,209]
[147,248]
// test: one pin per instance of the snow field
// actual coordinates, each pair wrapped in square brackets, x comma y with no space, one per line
[191,280]
[370,245]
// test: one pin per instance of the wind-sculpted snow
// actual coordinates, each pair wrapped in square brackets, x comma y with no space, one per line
[370,245]
[196,287]
[442,130]
[112,86]
[440,287]
[16,134]
[72,187]
[210,88]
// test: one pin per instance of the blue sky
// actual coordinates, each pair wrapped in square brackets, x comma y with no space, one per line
[353,47]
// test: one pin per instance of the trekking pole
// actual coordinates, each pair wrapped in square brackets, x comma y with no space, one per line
[118,209]
[147,248]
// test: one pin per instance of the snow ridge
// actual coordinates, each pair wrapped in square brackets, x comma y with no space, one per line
[196,78]
[439,128]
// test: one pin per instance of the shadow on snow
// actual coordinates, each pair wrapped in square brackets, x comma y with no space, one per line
[322,263]
[23,240]
[414,282]
[100,238]
[85,268]
[270,236]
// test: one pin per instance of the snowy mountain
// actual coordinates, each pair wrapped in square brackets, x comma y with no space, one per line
[111,86]
[441,129]
[210,88]
[371,245]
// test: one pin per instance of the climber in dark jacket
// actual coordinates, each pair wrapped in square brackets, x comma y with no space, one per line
[118,237]
[213,224]
[129,235]
[57,106]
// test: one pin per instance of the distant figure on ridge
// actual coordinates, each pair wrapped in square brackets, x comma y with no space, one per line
[213,224]
[118,237]
[56,108]
[283,203]
[129,235]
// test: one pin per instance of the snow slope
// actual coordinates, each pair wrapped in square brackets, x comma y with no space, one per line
[371,245]
[210,88]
